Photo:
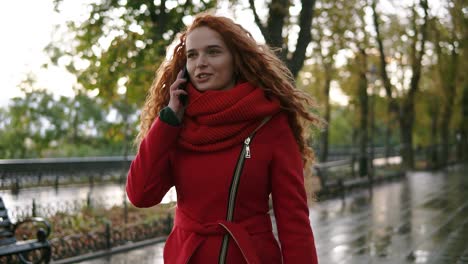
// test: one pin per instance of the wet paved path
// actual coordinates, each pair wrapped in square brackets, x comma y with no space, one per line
[422,218]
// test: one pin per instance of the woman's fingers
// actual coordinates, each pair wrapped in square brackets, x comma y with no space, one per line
[176,93]
[174,102]
[175,85]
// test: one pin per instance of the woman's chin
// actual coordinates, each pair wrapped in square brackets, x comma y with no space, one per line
[204,87]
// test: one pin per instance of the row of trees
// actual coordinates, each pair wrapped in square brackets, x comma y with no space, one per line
[40,124]
[400,63]
[405,72]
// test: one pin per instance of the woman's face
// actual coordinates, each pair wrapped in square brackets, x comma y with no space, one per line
[209,62]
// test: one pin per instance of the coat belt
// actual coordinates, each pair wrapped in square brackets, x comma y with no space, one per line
[239,231]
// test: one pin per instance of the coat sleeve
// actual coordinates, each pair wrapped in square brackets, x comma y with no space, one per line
[150,176]
[290,201]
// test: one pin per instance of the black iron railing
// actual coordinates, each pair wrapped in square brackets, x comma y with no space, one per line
[109,237]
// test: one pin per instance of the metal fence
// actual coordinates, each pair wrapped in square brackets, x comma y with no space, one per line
[108,237]
[103,238]
[18,173]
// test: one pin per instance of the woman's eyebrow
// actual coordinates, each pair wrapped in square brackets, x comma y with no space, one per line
[207,47]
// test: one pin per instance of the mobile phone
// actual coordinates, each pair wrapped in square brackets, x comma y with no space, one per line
[183,97]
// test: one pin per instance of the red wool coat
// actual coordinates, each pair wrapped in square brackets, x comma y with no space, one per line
[202,181]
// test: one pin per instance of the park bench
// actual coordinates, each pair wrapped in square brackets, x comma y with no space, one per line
[330,185]
[24,250]
[339,177]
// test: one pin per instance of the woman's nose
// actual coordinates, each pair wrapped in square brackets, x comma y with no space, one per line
[201,61]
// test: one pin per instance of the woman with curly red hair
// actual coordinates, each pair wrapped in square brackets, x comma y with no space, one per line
[227,141]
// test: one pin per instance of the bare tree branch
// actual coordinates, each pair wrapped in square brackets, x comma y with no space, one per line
[304,38]
[383,64]
[279,11]
[257,19]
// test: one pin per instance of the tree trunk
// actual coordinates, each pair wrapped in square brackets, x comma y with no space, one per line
[447,74]
[272,32]
[158,16]
[406,113]
[371,128]
[406,137]
[364,114]
[464,124]
[434,159]
[75,127]
[388,134]
[278,13]
[162,18]
[325,132]
[463,127]
[393,105]
[446,118]
[354,146]
[305,23]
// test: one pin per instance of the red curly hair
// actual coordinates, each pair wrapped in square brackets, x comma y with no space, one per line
[250,59]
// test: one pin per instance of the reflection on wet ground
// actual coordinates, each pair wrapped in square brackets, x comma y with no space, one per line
[147,255]
[422,218]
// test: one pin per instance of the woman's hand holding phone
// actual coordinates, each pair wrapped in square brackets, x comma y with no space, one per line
[177,94]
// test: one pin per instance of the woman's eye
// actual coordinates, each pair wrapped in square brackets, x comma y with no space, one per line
[190,55]
[213,52]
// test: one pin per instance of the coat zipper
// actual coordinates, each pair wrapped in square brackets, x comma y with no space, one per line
[245,153]
[247,148]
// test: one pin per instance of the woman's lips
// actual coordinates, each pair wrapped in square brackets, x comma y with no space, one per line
[204,78]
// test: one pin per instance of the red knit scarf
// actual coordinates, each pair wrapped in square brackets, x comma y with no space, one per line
[218,119]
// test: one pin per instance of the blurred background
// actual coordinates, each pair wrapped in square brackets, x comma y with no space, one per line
[389,78]
[74,74]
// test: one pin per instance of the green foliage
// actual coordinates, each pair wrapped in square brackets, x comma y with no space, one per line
[114,53]
[39,125]
[122,39]
[121,43]
[341,126]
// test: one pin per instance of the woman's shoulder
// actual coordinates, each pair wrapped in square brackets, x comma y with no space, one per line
[280,120]
[277,126]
